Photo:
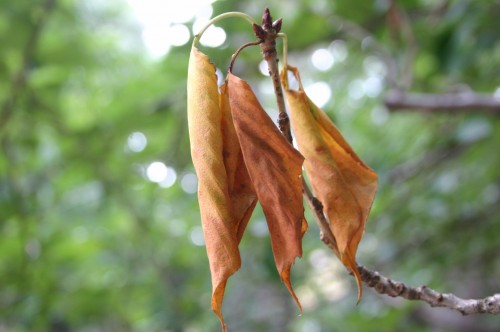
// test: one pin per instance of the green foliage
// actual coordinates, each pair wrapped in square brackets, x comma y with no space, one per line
[88,243]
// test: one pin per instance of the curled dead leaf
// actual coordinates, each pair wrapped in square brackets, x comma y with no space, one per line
[275,169]
[340,179]
[225,193]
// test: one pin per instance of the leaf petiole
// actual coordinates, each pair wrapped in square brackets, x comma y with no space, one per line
[283,36]
[219,18]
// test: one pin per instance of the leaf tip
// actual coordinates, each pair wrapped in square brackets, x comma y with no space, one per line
[285,277]
[350,263]
[217,297]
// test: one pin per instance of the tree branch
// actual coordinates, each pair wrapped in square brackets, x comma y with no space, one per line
[267,34]
[381,284]
[451,102]
[384,285]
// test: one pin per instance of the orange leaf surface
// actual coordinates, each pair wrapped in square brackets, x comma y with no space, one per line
[225,193]
[340,179]
[275,169]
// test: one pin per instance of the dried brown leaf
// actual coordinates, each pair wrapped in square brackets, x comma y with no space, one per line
[225,193]
[340,179]
[275,169]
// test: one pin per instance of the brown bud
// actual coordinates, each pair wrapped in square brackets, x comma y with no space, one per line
[277,25]
[259,32]
[267,19]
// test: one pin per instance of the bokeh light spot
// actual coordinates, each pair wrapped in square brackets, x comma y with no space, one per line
[170,179]
[213,37]
[322,59]
[156,172]
[196,236]
[319,93]
[178,35]
[137,141]
[339,51]
[189,183]
[372,87]
[263,68]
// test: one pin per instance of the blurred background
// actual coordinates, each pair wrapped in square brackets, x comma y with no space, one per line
[99,221]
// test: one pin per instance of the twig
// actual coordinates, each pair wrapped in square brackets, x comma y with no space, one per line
[316,207]
[384,285]
[426,102]
[267,34]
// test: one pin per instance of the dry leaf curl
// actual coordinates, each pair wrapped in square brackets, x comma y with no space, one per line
[225,193]
[340,179]
[275,169]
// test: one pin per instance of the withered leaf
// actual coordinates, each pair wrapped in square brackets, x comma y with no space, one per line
[340,179]
[275,169]
[225,193]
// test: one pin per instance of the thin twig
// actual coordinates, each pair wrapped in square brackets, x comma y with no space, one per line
[384,285]
[316,207]
[267,35]
[451,102]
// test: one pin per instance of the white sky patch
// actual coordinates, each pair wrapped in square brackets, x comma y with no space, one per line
[163,21]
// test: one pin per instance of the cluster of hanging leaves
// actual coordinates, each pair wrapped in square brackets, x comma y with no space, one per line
[240,157]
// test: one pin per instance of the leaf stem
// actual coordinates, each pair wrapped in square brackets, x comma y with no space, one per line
[241,48]
[284,37]
[219,18]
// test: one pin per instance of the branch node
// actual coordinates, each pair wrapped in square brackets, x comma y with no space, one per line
[380,287]
[413,294]
[400,288]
